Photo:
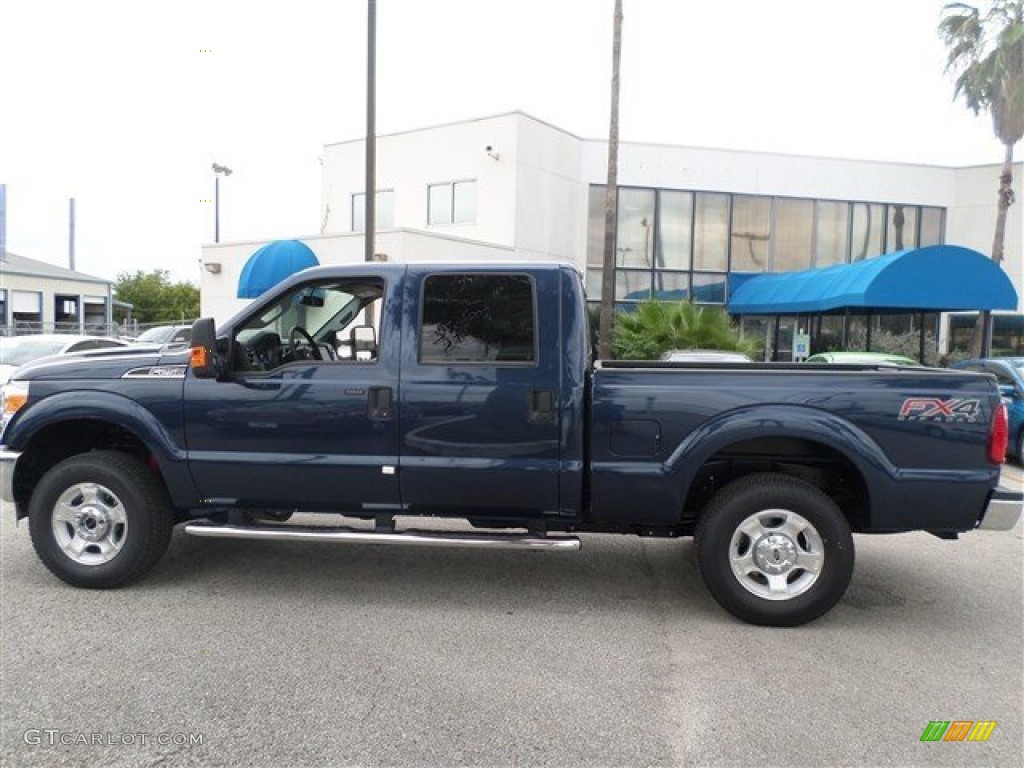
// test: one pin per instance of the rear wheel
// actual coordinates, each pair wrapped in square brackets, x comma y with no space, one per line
[774,550]
[100,520]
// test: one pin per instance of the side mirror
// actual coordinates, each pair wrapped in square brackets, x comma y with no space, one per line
[203,359]
[364,342]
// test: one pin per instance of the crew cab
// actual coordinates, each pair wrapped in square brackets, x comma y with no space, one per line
[384,392]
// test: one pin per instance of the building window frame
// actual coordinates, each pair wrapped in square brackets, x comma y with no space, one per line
[449,191]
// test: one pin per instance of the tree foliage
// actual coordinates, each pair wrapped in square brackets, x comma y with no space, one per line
[986,55]
[655,327]
[155,298]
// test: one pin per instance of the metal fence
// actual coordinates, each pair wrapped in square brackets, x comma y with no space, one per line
[128,329]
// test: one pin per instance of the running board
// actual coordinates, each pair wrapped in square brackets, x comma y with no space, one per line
[410,538]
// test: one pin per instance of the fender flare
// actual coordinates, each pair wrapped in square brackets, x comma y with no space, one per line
[785,421]
[116,409]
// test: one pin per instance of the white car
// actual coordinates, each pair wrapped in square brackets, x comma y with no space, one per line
[15,351]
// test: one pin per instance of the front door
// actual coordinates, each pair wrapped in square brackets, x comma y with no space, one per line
[302,418]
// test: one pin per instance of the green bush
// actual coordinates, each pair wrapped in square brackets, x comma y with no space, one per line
[655,327]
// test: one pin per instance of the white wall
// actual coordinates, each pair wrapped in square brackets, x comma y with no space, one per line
[971,220]
[758,173]
[409,162]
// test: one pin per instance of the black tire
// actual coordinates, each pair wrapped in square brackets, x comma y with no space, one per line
[791,545]
[100,520]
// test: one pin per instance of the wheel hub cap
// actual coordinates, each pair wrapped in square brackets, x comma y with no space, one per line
[775,553]
[92,524]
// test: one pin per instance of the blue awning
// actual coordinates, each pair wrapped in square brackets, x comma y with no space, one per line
[271,264]
[937,278]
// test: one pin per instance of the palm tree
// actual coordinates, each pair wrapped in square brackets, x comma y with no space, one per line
[986,54]
[658,326]
[611,205]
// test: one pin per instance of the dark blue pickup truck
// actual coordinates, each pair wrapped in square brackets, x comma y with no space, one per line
[382,391]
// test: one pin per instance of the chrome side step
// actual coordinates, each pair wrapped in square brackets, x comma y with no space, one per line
[409,538]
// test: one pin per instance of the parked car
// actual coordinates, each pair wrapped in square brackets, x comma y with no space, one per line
[704,356]
[165,334]
[18,350]
[1009,372]
[862,358]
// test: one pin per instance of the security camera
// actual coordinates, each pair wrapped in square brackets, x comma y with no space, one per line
[491,153]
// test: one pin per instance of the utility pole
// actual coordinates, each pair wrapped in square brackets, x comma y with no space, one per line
[611,205]
[370,207]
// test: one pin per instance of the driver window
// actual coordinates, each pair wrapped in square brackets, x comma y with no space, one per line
[325,321]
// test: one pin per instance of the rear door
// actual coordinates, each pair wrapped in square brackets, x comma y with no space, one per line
[480,387]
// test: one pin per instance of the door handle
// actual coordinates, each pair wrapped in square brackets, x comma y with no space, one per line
[542,407]
[380,403]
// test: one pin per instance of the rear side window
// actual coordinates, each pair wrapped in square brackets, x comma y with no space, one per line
[478,319]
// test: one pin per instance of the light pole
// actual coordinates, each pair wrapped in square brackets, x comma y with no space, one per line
[218,171]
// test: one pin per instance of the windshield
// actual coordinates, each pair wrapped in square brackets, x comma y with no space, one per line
[158,335]
[313,308]
[19,351]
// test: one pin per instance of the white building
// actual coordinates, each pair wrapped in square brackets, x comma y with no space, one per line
[36,296]
[513,187]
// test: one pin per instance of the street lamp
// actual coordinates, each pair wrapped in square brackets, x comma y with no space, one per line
[218,171]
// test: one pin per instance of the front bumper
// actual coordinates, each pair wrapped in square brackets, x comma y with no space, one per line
[1003,510]
[7,462]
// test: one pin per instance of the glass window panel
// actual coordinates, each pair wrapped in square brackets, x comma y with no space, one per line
[931,226]
[632,285]
[465,202]
[385,212]
[477,319]
[831,233]
[595,226]
[439,204]
[868,226]
[358,212]
[671,286]
[711,231]
[709,289]
[793,236]
[386,209]
[593,283]
[635,239]
[901,228]
[751,233]
[675,225]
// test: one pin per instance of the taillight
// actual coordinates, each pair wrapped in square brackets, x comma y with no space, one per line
[998,436]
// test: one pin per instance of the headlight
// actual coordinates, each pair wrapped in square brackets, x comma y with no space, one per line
[13,396]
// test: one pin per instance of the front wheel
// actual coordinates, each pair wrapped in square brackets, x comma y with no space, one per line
[100,520]
[774,550]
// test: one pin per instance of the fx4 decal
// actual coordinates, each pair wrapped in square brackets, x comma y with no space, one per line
[933,409]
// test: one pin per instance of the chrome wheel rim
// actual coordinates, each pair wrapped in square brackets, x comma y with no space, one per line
[776,554]
[89,524]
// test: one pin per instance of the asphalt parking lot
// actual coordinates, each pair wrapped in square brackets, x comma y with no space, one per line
[281,654]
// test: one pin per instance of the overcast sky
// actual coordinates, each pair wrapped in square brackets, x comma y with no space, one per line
[124,105]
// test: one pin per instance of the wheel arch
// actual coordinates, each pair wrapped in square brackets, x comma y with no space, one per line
[68,424]
[813,445]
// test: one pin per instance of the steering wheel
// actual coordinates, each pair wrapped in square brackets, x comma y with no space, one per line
[299,334]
